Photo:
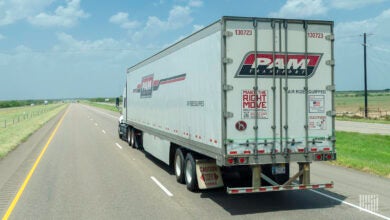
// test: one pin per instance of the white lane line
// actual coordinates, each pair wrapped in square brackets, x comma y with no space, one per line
[96,124]
[119,146]
[103,131]
[352,205]
[161,186]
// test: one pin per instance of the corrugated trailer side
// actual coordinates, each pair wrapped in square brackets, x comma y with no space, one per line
[175,96]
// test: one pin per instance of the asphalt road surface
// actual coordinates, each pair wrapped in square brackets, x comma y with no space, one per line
[87,172]
[362,127]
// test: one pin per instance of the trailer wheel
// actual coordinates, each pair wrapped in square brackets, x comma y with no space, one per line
[129,136]
[190,173]
[179,166]
[133,141]
[119,132]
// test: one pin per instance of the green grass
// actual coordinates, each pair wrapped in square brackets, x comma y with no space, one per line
[354,103]
[366,152]
[22,113]
[15,134]
[103,106]
[350,106]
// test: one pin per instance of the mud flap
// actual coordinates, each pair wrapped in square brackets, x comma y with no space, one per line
[208,174]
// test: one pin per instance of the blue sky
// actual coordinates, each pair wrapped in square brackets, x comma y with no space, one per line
[79,48]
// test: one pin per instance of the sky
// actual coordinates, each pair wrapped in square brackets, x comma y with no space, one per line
[54,49]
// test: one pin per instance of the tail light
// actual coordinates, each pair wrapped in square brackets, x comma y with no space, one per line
[243,160]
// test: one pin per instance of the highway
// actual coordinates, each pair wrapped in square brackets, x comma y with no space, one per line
[86,172]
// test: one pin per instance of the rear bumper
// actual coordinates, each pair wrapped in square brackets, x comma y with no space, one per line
[250,159]
[243,190]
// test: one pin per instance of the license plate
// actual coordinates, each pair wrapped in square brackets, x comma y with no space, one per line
[279,169]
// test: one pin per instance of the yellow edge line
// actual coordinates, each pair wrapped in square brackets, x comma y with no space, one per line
[21,189]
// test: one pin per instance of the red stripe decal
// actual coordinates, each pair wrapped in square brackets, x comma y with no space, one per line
[328,185]
[172,80]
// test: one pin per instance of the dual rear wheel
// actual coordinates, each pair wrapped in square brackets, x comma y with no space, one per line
[185,169]
[132,138]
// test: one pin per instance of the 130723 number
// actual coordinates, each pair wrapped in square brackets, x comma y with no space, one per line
[315,35]
[243,32]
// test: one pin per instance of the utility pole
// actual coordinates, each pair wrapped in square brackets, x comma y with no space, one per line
[365,77]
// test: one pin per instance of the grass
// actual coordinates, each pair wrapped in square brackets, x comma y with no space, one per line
[22,113]
[354,103]
[17,133]
[366,152]
[350,103]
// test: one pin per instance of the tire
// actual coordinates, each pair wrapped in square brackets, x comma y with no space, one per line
[119,132]
[190,173]
[133,142]
[129,136]
[179,166]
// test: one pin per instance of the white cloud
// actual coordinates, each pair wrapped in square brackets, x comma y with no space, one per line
[195,3]
[72,62]
[122,19]
[12,11]
[67,16]
[349,52]
[179,16]
[2,37]
[352,4]
[301,9]
[378,24]
[70,44]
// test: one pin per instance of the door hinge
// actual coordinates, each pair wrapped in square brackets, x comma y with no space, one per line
[228,115]
[331,113]
[227,34]
[227,87]
[330,62]
[330,37]
[227,60]
[331,88]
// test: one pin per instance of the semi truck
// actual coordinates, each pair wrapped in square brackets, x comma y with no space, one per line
[236,104]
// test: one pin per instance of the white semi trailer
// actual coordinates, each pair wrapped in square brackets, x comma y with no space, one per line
[241,98]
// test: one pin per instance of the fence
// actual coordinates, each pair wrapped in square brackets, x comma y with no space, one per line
[374,113]
[7,121]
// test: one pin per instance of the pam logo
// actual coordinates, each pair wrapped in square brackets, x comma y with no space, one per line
[295,64]
[148,84]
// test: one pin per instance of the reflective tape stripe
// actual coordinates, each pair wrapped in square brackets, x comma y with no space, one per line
[277,188]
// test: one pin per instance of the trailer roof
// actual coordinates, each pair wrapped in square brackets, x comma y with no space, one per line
[231,18]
